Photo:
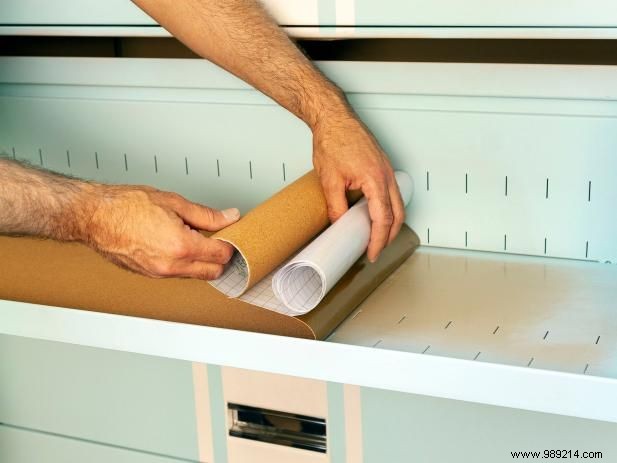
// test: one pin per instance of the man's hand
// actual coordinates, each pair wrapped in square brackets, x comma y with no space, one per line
[140,228]
[155,233]
[347,157]
[239,36]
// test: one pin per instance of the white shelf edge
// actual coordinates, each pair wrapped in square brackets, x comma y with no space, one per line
[494,384]
[330,32]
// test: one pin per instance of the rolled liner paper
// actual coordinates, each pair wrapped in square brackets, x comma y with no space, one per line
[271,233]
[304,281]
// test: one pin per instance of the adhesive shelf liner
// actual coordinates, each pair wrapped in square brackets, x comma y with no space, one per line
[73,276]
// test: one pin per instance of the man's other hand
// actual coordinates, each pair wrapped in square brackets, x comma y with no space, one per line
[347,157]
[155,233]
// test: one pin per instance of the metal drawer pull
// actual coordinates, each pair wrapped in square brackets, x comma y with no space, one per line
[275,427]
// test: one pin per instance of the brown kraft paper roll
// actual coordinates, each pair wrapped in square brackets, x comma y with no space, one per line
[278,227]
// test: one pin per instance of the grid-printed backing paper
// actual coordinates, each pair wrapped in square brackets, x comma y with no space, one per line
[234,280]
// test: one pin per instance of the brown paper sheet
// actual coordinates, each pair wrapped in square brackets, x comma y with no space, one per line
[71,275]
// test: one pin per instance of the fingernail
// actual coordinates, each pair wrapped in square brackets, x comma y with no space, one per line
[231,214]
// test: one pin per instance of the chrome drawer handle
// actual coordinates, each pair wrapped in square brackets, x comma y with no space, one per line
[276,427]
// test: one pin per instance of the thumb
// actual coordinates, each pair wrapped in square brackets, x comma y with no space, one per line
[206,218]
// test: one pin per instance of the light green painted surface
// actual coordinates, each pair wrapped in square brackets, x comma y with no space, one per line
[327,13]
[401,428]
[112,397]
[369,12]
[22,446]
[336,423]
[492,13]
[218,411]
[80,12]
[204,153]
[208,141]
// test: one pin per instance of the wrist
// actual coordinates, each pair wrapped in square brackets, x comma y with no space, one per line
[328,107]
[84,210]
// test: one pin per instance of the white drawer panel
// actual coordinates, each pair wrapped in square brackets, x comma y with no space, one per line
[126,13]
[275,392]
[530,13]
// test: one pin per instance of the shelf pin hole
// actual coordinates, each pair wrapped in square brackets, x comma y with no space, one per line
[545,242]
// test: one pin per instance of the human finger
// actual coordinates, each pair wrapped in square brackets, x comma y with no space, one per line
[204,217]
[398,208]
[199,270]
[380,211]
[208,250]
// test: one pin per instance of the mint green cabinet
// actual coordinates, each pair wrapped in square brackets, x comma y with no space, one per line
[401,428]
[22,446]
[128,400]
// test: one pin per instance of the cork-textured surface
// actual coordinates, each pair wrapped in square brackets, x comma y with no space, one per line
[71,275]
[278,227]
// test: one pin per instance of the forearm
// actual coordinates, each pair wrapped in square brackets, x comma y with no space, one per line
[239,36]
[39,203]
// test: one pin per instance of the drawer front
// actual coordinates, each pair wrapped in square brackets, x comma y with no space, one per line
[530,13]
[126,13]
[134,401]
[23,446]
[286,394]
[406,427]
[61,402]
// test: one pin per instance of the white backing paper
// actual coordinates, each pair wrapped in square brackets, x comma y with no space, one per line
[297,286]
